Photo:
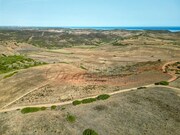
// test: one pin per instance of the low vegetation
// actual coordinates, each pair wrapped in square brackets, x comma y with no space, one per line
[32,109]
[103,97]
[53,40]
[70,118]
[11,74]
[89,132]
[162,83]
[53,107]
[76,102]
[90,100]
[15,62]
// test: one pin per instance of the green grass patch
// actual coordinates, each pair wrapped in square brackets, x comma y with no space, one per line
[162,83]
[16,62]
[53,107]
[9,75]
[103,97]
[89,132]
[88,100]
[76,102]
[32,109]
[70,118]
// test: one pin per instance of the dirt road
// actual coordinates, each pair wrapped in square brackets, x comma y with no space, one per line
[69,102]
[174,77]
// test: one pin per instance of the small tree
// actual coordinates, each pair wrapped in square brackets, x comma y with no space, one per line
[89,132]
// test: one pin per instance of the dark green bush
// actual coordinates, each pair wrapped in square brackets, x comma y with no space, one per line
[53,107]
[76,102]
[103,97]
[162,83]
[89,132]
[88,100]
[32,109]
[70,118]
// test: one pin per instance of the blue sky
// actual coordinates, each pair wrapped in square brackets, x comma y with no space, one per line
[90,12]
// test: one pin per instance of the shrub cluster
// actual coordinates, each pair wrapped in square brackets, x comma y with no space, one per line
[89,100]
[76,102]
[103,97]
[15,62]
[32,109]
[70,118]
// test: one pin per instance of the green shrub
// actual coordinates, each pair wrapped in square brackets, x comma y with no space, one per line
[53,107]
[76,102]
[9,75]
[162,83]
[89,132]
[88,100]
[103,97]
[32,109]
[70,118]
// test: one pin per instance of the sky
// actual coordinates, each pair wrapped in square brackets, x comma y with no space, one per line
[89,13]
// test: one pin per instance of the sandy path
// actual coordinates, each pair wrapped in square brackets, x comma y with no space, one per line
[174,77]
[69,102]
[42,85]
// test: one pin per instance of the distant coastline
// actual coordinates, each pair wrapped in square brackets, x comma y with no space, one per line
[171,29]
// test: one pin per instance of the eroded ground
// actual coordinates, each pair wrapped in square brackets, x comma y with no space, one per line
[86,63]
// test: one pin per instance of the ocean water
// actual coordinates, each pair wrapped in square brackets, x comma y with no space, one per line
[172,29]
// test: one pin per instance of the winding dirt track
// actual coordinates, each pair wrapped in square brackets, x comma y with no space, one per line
[69,102]
[174,77]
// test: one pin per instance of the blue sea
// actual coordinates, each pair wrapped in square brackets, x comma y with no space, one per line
[172,29]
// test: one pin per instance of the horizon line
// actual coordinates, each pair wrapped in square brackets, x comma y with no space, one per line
[83,26]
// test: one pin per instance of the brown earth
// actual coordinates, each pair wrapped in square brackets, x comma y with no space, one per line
[144,111]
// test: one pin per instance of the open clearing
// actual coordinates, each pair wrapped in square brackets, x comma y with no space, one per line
[81,64]
[142,111]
